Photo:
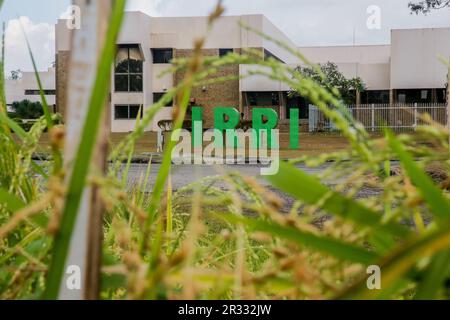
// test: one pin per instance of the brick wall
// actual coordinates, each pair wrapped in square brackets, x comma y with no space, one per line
[62,64]
[223,94]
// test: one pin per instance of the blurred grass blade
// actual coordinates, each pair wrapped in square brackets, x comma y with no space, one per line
[433,196]
[84,154]
[310,190]
[3,107]
[10,201]
[11,124]
[435,275]
[45,108]
[333,247]
[399,264]
[164,169]
[169,215]
[131,151]
[22,134]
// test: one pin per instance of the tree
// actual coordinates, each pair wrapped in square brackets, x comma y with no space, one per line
[425,6]
[332,78]
[27,110]
[16,74]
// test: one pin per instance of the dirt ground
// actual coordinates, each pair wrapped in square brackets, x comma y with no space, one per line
[310,144]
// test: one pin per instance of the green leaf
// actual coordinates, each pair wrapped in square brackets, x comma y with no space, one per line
[45,107]
[4,119]
[400,263]
[336,248]
[310,190]
[435,275]
[12,202]
[433,196]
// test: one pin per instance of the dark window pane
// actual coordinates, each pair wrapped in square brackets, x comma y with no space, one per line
[135,83]
[275,99]
[263,99]
[268,54]
[135,66]
[121,83]
[128,60]
[251,98]
[134,110]
[122,60]
[32,92]
[375,96]
[162,55]
[224,52]
[158,96]
[414,96]
[300,103]
[441,95]
[121,112]
[135,60]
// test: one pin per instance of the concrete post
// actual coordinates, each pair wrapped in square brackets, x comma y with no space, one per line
[86,243]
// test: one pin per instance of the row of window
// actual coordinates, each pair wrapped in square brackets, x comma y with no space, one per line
[166,55]
[37,92]
[127,112]
[404,96]
[128,72]
[129,57]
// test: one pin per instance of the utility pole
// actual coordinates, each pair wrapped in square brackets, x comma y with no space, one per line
[86,243]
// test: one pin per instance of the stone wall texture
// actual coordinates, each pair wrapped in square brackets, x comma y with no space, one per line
[62,68]
[223,94]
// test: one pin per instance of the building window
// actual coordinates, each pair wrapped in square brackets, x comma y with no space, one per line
[441,95]
[158,96]
[297,102]
[126,112]
[33,92]
[162,55]
[224,52]
[263,99]
[128,75]
[414,96]
[268,54]
[375,96]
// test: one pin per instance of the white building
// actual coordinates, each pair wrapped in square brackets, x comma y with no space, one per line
[407,70]
[27,88]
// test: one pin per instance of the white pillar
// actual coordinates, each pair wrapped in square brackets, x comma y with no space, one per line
[87,43]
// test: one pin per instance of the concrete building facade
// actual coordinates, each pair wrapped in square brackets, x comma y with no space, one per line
[27,88]
[407,70]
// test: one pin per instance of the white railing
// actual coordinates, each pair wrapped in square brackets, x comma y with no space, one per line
[375,117]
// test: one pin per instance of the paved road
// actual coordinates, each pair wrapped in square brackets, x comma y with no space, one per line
[183,175]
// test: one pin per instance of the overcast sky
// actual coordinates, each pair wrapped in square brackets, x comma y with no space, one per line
[306,22]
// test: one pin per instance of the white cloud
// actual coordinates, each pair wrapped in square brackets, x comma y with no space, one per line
[306,22]
[42,42]
[311,22]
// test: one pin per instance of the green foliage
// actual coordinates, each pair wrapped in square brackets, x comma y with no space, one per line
[328,76]
[27,110]
[228,236]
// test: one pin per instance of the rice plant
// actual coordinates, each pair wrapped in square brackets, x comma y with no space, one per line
[227,236]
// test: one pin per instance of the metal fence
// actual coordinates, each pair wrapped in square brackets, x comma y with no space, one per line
[375,117]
